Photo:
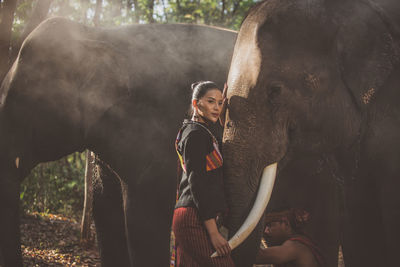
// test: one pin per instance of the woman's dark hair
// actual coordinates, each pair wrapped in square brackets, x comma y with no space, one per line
[201,88]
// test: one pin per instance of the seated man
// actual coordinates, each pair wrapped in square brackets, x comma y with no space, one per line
[287,243]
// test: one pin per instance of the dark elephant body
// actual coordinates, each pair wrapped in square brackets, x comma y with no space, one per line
[313,85]
[121,92]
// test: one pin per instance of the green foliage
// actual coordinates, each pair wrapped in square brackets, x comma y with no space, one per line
[227,13]
[22,14]
[55,187]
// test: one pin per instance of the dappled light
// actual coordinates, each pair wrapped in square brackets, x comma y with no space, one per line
[55,187]
[53,240]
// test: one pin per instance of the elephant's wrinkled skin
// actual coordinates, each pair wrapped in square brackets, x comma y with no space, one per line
[313,85]
[121,92]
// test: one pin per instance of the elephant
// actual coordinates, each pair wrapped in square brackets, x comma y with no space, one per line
[313,87]
[121,92]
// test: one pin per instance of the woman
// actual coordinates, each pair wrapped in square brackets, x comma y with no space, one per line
[201,200]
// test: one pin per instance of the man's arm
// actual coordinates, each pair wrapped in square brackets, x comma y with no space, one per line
[285,253]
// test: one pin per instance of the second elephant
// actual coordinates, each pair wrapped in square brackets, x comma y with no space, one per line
[120,92]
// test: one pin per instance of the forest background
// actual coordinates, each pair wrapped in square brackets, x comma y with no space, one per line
[58,187]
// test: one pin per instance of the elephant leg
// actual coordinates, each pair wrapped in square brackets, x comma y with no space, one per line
[149,216]
[325,223]
[389,198]
[390,205]
[363,243]
[373,200]
[9,223]
[109,218]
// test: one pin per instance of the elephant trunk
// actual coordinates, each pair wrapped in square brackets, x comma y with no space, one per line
[263,195]
[242,185]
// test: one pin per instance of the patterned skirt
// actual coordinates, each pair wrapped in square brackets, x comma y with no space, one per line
[193,246]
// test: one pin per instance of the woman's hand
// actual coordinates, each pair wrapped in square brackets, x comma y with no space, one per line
[220,244]
[217,240]
[224,103]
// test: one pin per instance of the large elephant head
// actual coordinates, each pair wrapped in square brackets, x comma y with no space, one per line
[297,88]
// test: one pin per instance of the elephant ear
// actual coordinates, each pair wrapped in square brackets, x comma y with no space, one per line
[368,50]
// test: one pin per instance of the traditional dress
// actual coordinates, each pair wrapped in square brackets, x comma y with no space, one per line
[200,196]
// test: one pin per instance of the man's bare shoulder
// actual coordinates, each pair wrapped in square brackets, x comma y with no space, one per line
[304,256]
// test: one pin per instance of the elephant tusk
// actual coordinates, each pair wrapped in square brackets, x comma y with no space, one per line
[17,162]
[261,202]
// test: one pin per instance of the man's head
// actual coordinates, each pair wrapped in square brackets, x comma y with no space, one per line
[277,232]
[283,223]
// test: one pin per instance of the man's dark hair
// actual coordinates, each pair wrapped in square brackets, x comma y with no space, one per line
[297,218]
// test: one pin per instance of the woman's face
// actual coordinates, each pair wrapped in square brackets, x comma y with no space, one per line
[210,105]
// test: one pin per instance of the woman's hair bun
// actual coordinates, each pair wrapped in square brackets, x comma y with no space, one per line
[194,85]
[201,88]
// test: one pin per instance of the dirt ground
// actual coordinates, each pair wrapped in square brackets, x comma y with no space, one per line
[54,240]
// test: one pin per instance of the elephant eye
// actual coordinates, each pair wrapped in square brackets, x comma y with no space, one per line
[274,90]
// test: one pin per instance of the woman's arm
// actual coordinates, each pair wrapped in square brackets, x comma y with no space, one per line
[218,241]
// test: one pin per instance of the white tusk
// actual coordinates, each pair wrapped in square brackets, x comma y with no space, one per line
[17,162]
[262,199]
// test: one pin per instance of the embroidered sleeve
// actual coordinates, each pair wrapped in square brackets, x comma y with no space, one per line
[213,159]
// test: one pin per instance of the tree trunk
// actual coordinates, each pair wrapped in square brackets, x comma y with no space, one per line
[86,237]
[137,11]
[165,11]
[67,166]
[223,11]
[97,12]
[85,7]
[150,11]
[64,10]
[7,18]
[129,4]
[116,8]
[236,5]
